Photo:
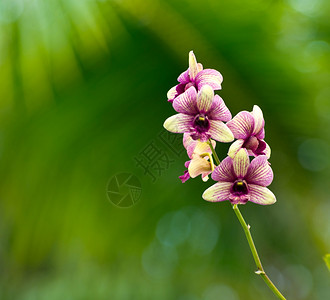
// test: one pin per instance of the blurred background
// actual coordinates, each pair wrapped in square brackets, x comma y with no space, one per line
[91,206]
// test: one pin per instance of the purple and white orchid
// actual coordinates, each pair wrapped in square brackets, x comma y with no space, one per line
[195,76]
[240,181]
[248,129]
[201,161]
[201,115]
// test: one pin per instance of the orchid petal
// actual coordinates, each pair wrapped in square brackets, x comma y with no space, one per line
[241,163]
[193,67]
[261,195]
[259,122]
[187,140]
[267,151]
[210,77]
[186,102]
[199,67]
[218,192]
[202,147]
[205,98]
[205,176]
[184,177]
[184,77]
[242,125]
[235,147]
[261,134]
[224,171]
[220,132]
[178,123]
[259,172]
[171,93]
[199,165]
[219,110]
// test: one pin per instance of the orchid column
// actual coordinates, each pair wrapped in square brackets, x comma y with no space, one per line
[204,118]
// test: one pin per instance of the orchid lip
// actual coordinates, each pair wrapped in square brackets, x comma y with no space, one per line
[201,123]
[240,188]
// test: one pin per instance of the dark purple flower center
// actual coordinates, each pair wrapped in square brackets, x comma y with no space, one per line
[240,188]
[201,123]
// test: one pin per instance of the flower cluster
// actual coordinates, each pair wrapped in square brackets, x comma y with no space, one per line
[204,118]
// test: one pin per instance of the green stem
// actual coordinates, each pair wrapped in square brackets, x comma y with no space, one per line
[215,155]
[257,260]
[253,248]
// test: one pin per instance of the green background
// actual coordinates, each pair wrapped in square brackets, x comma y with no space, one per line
[83,96]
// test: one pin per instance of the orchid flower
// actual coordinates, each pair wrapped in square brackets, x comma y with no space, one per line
[201,161]
[240,181]
[201,115]
[248,129]
[195,76]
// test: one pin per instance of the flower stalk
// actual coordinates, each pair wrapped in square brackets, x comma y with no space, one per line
[257,260]
[215,155]
[249,238]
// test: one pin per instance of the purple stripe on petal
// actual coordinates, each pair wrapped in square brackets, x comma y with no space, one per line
[242,125]
[261,195]
[184,77]
[179,123]
[259,172]
[235,147]
[218,192]
[259,122]
[241,163]
[219,110]
[225,171]
[220,132]
[205,98]
[186,102]
[210,77]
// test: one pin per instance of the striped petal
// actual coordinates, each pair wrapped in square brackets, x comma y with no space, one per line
[198,166]
[184,77]
[205,98]
[218,192]
[171,93]
[261,134]
[235,147]
[219,110]
[242,125]
[210,77]
[178,123]
[193,66]
[220,132]
[186,102]
[241,163]
[259,121]
[261,195]
[224,171]
[259,172]
[267,151]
